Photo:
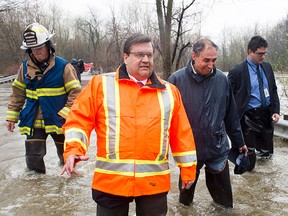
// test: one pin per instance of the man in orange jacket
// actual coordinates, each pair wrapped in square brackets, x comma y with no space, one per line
[136,116]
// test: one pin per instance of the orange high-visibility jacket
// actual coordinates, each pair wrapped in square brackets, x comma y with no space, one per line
[134,128]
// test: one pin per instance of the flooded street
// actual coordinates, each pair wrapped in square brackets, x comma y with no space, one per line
[261,192]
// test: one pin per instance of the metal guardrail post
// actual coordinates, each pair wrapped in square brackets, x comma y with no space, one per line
[281,129]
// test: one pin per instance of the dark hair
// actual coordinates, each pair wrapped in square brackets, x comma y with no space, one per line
[201,44]
[136,38]
[256,42]
[74,62]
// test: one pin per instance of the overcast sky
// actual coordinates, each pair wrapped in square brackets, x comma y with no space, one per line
[224,14]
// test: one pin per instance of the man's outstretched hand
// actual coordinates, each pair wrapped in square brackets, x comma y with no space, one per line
[69,166]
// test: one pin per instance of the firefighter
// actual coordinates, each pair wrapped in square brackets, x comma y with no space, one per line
[42,94]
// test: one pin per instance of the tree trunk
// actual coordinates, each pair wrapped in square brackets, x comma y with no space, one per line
[164,22]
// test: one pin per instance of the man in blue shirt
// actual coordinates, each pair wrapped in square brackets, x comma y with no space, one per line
[257,100]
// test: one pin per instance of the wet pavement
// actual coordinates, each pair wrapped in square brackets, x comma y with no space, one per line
[263,191]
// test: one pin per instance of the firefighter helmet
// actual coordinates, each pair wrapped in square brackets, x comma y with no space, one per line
[35,35]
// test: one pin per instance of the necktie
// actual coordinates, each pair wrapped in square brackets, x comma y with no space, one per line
[261,87]
[140,84]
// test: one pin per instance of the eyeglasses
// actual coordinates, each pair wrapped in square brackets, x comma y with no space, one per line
[141,55]
[261,53]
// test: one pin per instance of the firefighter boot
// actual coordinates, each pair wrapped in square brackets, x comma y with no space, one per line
[35,151]
[219,186]
[60,151]
[186,195]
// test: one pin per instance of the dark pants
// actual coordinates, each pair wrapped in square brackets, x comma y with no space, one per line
[257,127]
[217,182]
[111,205]
[41,135]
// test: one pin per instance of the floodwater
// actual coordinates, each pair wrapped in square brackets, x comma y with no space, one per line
[263,191]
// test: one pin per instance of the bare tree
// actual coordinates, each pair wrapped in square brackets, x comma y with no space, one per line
[173,31]
[7,5]
[10,35]
[180,45]
[164,14]
[114,53]
[91,27]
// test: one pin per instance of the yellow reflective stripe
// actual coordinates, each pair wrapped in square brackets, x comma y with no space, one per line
[41,92]
[152,173]
[76,135]
[184,153]
[114,172]
[139,168]
[160,154]
[24,130]
[31,94]
[151,168]
[72,85]
[75,140]
[111,104]
[185,159]
[166,102]
[19,85]
[117,131]
[138,175]
[53,128]
[186,164]
[39,123]
[111,166]
[12,115]
[104,84]
[116,161]
[64,111]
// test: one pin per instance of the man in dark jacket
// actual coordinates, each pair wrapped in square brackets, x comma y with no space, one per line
[257,100]
[211,109]
[79,67]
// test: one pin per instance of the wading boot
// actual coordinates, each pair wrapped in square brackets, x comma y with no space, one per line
[186,195]
[35,151]
[219,186]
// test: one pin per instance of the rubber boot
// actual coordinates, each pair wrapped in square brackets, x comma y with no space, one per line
[186,195]
[219,186]
[60,151]
[252,159]
[35,151]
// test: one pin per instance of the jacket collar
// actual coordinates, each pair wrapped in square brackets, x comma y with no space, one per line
[197,77]
[153,81]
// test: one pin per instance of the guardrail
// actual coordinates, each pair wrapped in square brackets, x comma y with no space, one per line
[281,129]
[8,79]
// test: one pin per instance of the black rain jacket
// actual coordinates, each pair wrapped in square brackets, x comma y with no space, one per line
[211,110]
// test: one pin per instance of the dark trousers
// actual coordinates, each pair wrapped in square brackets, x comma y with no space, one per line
[40,134]
[151,205]
[258,129]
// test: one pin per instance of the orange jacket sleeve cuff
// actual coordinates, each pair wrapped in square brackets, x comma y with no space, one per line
[188,173]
